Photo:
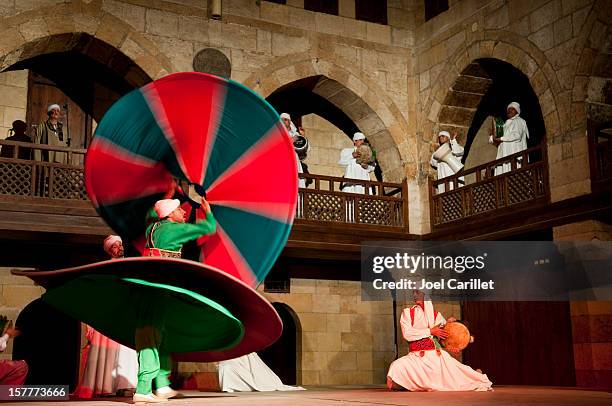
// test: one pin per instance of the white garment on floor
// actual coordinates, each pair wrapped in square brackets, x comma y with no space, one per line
[249,373]
[125,374]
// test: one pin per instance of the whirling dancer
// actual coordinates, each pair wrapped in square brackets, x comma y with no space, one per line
[221,138]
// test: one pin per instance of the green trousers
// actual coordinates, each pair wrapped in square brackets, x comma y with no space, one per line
[153,364]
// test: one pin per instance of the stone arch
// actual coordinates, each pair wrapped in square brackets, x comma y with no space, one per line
[284,357]
[591,86]
[60,28]
[359,98]
[507,47]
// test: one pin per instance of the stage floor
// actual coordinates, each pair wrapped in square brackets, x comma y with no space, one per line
[377,395]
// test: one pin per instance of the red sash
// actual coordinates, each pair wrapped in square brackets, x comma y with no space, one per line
[424,344]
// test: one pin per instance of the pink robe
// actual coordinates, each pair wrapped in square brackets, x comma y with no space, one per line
[435,370]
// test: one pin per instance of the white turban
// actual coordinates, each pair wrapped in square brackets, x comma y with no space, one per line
[515,106]
[164,207]
[444,133]
[53,107]
[358,136]
[109,241]
[292,128]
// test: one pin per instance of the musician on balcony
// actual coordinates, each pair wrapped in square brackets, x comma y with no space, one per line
[348,158]
[294,132]
[50,132]
[443,168]
[514,139]
[18,134]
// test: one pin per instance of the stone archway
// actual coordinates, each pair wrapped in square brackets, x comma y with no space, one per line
[482,90]
[285,355]
[530,61]
[58,28]
[359,99]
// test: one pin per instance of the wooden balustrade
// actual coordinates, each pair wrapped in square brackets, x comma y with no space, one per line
[382,204]
[40,179]
[600,156]
[515,179]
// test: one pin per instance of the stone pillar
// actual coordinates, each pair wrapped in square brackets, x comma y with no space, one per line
[591,321]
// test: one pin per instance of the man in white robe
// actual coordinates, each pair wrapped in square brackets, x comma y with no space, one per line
[293,133]
[249,373]
[427,367]
[514,139]
[348,158]
[444,170]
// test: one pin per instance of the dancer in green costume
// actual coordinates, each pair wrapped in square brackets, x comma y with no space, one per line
[165,238]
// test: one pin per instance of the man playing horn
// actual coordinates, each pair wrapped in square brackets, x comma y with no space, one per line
[443,168]
[514,139]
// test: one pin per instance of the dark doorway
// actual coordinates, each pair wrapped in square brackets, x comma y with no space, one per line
[521,343]
[282,356]
[508,84]
[49,343]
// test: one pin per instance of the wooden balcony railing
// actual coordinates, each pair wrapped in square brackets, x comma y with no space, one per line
[600,155]
[383,204]
[40,179]
[479,190]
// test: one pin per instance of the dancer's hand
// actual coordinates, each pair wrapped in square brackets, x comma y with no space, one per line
[438,332]
[451,320]
[205,205]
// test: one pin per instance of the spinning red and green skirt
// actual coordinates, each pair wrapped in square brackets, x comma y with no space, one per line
[228,144]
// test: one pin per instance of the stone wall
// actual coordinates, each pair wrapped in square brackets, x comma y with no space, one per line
[326,142]
[591,321]
[549,41]
[13,99]
[15,293]
[344,339]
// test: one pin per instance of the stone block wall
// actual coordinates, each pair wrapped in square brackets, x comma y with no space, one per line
[15,293]
[557,44]
[591,320]
[326,142]
[13,99]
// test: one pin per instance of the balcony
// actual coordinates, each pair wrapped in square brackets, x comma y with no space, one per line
[41,197]
[600,155]
[479,194]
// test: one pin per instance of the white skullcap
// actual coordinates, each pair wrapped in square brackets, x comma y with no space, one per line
[109,241]
[164,207]
[53,107]
[444,133]
[285,115]
[358,136]
[515,106]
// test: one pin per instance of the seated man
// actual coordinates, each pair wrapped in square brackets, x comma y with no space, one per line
[427,367]
[11,372]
